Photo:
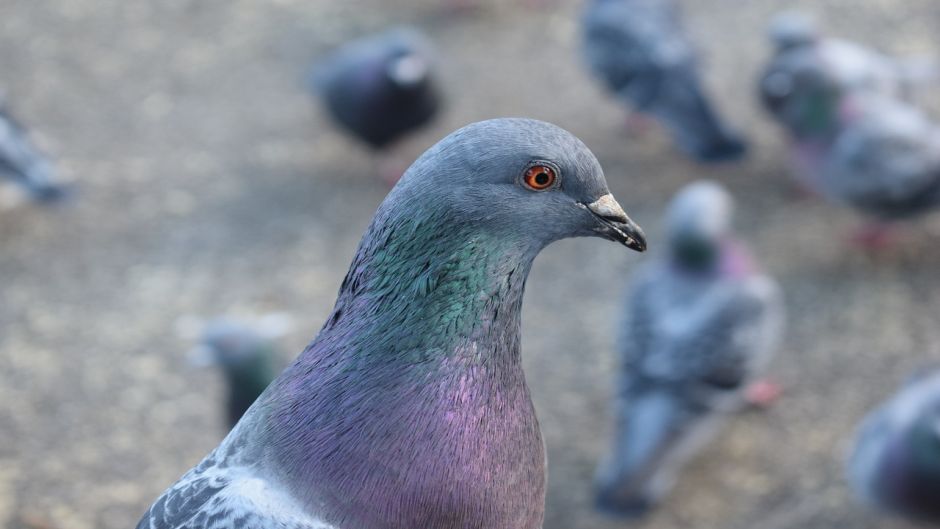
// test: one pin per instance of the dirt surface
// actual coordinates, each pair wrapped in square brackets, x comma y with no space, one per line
[209,183]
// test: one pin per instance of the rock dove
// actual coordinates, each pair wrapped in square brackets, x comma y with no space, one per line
[885,162]
[22,162]
[808,78]
[409,409]
[855,140]
[382,87]
[247,356]
[700,323]
[638,49]
[895,463]
[846,67]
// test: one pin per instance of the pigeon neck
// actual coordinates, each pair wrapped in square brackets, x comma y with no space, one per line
[410,408]
[421,291]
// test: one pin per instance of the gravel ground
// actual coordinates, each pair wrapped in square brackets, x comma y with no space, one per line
[209,183]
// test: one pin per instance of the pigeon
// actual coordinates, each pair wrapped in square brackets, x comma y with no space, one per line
[638,49]
[856,140]
[847,66]
[809,77]
[23,163]
[382,87]
[700,324]
[247,356]
[885,161]
[410,408]
[894,465]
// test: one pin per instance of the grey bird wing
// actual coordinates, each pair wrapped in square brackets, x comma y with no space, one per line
[737,340]
[629,44]
[675,385]
[720,345]
[887,163]
[217,496]
[638,49]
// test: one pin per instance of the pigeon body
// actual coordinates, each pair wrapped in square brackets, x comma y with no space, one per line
[247,357]
[638,49]
[409,409]
[856,141]
[803,58]
[23,163]
[885,162]
[700,324]
[381,87]
[895,462]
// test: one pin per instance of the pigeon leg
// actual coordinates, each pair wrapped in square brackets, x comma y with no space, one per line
[637,124]
[762,393]
[875,237]
[390,168]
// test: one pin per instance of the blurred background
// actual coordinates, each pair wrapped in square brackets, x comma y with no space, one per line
[210,182]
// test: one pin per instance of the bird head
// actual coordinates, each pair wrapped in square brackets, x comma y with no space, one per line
[801,92]
[793,29]
[698,223]
[230,345]
[520,179]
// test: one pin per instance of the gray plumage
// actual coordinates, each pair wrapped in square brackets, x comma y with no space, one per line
[894,464]
[700,323]
[855,139]
[23,163]
[809,73]
[380,88]
[641,53]
[885,162]
[409,409]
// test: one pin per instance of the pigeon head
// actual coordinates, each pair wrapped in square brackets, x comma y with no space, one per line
[520,180]
[698,223]
[802,94]
[229,344]
[793,29]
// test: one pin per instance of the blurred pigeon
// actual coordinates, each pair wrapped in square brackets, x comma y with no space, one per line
[700,324]
[895,463]
[409,408]
[639,50]
[22,162]
[846,67]
[885,162]
[381,87]
[247,356]
[855,140]
[810,77]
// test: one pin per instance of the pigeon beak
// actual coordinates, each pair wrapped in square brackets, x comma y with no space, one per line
[614,224]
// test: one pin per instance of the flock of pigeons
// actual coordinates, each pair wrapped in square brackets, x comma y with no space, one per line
[410,409]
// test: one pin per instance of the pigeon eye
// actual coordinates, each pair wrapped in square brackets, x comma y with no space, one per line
[539,177]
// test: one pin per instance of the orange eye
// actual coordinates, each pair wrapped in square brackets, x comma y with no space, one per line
[539,177]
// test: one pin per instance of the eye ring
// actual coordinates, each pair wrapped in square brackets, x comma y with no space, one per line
[539,176]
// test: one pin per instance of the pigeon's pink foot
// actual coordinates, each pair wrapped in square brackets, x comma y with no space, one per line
[875,237]
[390,170]
[762,393]
[637,124]
[803,191]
